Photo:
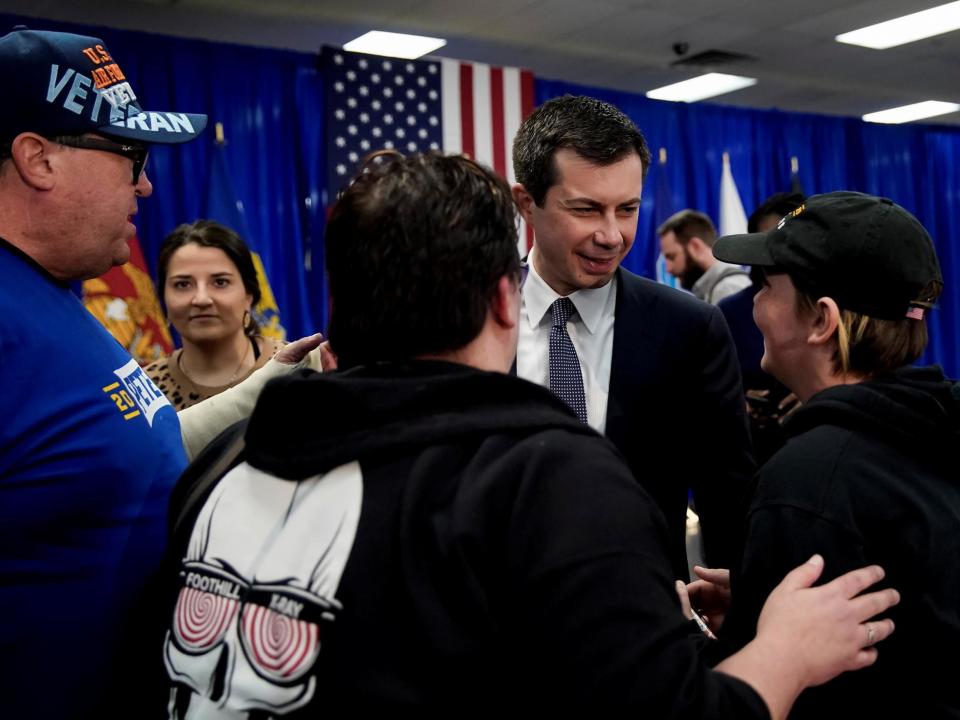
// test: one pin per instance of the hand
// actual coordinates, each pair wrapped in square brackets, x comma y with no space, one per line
[689,613]
[757,403]
[826,630]
[328,359]
[711,594]
[294,352]
[761,408]
[787,407]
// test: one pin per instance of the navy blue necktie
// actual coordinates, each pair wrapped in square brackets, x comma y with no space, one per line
[565,378]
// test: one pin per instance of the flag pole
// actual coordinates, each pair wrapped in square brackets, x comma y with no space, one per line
[224,206]
[662,209]
[795,176]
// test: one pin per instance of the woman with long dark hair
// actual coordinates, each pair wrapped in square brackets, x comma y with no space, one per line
[209,284]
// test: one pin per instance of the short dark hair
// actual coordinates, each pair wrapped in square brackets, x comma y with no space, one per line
[595,130]
[415,248]
[688,224]
[779,204]
[208,233]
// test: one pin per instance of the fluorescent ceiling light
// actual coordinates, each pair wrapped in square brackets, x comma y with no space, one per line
[395,45]
[908,113]
[906,29]
[700,88]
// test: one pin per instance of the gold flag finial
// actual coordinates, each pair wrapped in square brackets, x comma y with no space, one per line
[218,133]
[663,156]
[794,165]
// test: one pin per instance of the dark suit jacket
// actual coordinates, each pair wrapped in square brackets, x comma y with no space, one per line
[676,412]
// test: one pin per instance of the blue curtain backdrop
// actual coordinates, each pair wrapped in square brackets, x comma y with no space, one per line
[271,105]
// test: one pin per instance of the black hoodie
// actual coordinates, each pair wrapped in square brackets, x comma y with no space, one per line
[870,474]
[502,558]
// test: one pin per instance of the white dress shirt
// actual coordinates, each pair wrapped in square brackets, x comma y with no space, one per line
[590,330]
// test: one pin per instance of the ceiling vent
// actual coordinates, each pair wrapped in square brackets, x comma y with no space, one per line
[713,59]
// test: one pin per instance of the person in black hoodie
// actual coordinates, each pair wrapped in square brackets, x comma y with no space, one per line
[423,530]
[868,473]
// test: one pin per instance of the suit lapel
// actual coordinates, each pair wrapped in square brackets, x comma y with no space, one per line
[632,336]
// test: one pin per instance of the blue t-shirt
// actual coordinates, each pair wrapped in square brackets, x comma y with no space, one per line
[89,452]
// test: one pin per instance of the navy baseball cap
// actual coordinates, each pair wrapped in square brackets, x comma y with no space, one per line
[64,84]
[866,252]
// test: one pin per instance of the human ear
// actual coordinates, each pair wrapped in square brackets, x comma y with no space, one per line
[523,199]
[505,305]
[34,160]
[825,318]
[698,249]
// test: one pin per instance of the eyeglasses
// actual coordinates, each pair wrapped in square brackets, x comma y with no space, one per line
[137,153]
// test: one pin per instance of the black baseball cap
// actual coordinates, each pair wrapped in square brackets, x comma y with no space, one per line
[867,253]
[65,84]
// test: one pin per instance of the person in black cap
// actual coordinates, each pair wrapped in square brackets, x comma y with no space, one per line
[868,473]
[89,447]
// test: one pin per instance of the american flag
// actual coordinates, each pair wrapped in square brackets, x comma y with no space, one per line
[374,102]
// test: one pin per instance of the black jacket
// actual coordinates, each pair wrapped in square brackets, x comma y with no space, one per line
[485,551]
[677,414]
[870,474]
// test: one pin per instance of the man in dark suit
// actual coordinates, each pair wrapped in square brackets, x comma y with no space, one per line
[652,368]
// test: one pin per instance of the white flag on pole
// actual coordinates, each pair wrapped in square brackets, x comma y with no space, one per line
[733,220]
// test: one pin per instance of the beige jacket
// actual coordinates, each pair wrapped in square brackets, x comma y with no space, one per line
[204,421]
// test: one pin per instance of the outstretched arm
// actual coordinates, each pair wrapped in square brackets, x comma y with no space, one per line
[202,422]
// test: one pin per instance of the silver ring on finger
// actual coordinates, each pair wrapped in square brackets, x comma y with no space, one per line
[871,635]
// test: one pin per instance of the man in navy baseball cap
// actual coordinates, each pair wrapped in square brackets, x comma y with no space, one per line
[89,447]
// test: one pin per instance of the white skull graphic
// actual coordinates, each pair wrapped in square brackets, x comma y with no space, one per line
[259,578]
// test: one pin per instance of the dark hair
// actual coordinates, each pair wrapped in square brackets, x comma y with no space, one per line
[415,247]
[595,130]
[208,233]
[779,204]
[688,224]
